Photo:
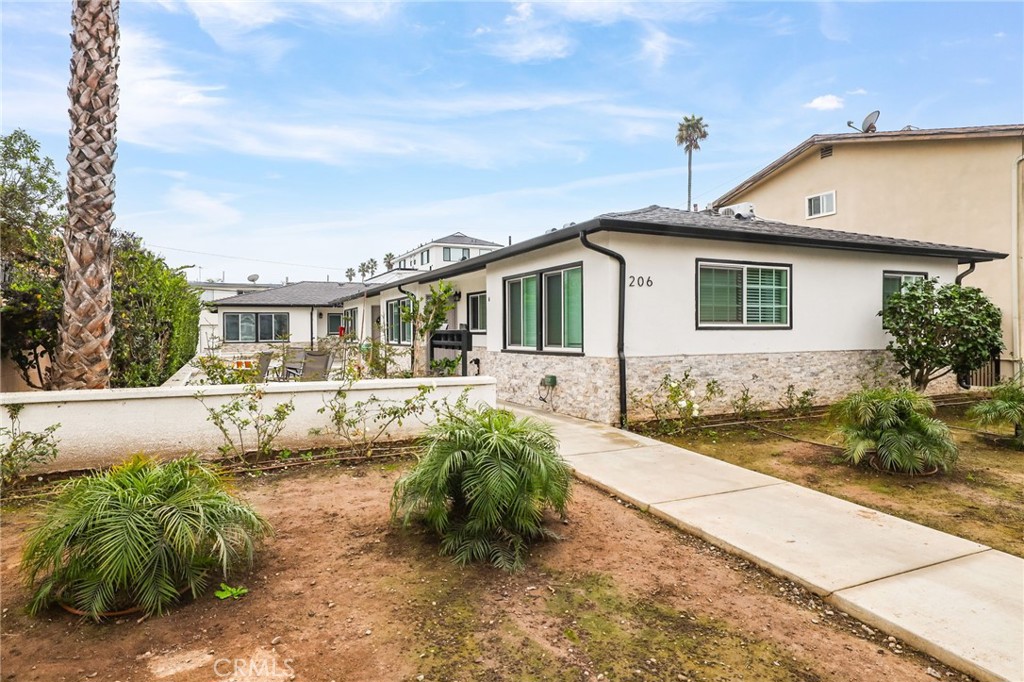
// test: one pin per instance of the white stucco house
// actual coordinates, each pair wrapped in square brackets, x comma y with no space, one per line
[453,248]
[296,314]
[611,305]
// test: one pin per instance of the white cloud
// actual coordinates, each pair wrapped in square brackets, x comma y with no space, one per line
[204,209]
[832,25]
[522,38]
[858,91]
[657,47]
[825,103]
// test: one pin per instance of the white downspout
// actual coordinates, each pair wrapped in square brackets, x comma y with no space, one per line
[1016,254]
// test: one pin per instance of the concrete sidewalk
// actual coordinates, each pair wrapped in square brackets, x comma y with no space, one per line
[957,600]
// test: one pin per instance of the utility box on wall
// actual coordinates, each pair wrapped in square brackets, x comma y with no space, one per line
[549,381]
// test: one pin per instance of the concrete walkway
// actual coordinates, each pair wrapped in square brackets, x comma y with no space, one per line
[957,600]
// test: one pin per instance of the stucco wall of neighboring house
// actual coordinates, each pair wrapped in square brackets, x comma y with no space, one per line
[964,192]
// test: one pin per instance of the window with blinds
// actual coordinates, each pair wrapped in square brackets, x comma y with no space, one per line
[742,295]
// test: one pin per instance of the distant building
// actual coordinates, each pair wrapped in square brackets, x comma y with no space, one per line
[454,248]
[209,323]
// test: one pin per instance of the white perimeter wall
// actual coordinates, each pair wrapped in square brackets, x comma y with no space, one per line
[100,428]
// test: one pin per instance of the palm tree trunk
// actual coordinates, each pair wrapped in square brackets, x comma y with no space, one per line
[689,179]
[86,328]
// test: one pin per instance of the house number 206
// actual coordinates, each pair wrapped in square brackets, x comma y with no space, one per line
[640,281]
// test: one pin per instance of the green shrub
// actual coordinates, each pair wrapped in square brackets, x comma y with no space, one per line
[21,449]
[1006,406]
[483,483]
[138,535]
[892,426]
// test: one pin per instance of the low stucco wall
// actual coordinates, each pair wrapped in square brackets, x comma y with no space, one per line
[100,428]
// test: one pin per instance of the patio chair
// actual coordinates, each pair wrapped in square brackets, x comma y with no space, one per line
[263,364]
[316,366]
[291,367]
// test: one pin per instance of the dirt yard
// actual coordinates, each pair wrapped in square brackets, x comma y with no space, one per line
[981,498]
[340,595]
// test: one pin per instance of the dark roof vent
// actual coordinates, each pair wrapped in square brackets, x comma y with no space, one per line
[826,151]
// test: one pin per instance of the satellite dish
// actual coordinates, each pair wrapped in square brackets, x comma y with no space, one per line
[868,126]
[253,277]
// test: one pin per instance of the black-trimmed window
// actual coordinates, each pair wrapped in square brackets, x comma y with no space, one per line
[743,295]
[424,256]
[544,310]
[345,319]
[476,305]
[255,327]
[450,254]
[893,282]
[399,331]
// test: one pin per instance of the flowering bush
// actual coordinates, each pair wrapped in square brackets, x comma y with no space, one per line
[676,403]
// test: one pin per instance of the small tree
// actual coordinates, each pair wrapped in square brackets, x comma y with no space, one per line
[940,329]
[427,316]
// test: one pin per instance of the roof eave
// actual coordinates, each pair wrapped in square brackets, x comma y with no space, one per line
[617,225]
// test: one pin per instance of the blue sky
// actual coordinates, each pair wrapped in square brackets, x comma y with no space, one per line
[325,133]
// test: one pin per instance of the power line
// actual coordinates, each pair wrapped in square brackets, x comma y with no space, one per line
[250,260]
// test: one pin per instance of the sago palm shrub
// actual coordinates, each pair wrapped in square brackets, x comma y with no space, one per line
[138,536]
[893,427]
[1006,406]
[482,484]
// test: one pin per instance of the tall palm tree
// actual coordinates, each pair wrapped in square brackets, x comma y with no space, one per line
[363,269]
[389,260]
[350,274]
[86,327]
[371,266]
[691,131]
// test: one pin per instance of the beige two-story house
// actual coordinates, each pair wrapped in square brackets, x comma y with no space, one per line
[948,185]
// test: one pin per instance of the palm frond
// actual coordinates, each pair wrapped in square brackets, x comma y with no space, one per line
[136,535]
[482,484]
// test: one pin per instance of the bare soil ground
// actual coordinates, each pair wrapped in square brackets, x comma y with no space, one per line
[339,594]
[981,499]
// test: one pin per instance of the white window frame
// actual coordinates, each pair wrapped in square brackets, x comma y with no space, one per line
[823,197]
[905,278]
[743,267]
[481,306]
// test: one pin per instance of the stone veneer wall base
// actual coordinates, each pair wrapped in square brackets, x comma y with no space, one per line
[588,386]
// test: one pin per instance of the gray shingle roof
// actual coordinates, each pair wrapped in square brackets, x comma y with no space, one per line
[729,228]
[459,238]
[297,294]
[673,222]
